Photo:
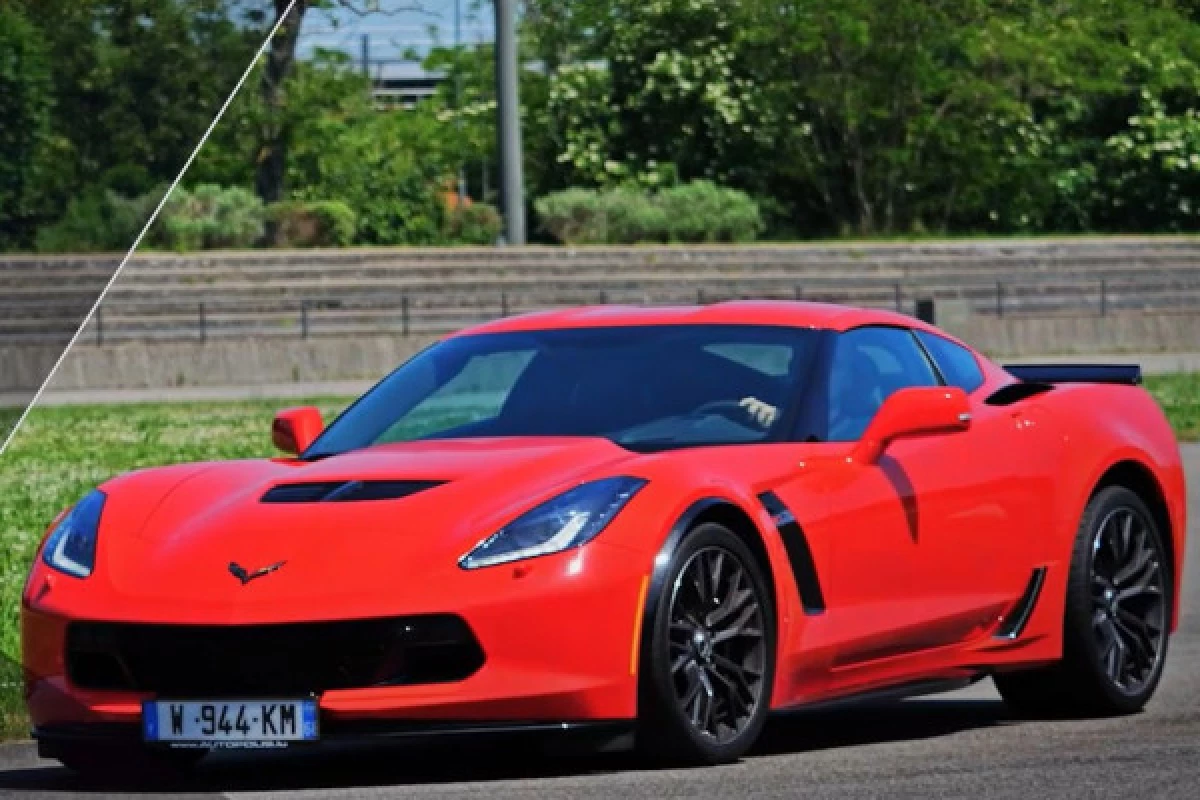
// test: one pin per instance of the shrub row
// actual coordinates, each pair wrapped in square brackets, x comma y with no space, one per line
[210,217]
[699,211]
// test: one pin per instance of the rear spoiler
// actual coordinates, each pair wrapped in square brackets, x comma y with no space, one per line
[1125,374]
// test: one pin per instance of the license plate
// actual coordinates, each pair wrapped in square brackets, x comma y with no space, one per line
[230,723]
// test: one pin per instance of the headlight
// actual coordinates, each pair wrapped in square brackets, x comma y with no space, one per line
[573,518]
[71,546]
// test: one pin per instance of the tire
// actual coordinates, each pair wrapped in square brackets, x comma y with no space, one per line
[1101,626]
[734,652]
[102,762]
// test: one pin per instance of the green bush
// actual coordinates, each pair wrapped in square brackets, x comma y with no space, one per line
[99,220]
[630,216]
[478,223]
[704,212]
[572,216]
[212,217]
[693,212]
[323,223]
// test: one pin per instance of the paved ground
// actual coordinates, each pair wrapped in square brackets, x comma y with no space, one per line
[958,745]
[1153,364]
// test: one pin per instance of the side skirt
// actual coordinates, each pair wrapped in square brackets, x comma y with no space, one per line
[897,692]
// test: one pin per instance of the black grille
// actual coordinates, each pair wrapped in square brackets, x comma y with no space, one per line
[345,491]
[270,660]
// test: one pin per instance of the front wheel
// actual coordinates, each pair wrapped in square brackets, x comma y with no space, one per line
[1116,622]
[705,687]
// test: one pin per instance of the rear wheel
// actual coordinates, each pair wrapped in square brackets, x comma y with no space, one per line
[1117,615]
[705,687]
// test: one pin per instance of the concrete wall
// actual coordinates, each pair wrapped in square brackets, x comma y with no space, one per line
[250,362]
[255,362]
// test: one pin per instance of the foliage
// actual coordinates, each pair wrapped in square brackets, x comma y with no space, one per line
[1152,170]
[319,224]
[477,224]
[99,220]
[211,217]
[118,119]
[26,102]
[701,211]
[696,212]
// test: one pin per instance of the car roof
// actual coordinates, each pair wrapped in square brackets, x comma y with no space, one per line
[795,314]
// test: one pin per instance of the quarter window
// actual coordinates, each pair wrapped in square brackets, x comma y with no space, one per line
[958,364]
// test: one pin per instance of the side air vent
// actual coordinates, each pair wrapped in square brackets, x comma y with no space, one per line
[345,491]
[1015,620]
[1016,392]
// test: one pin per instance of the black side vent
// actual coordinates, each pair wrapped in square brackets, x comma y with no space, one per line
[1014,622]
[345,491]
[1016,392]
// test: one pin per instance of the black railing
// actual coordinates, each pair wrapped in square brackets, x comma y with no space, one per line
[438,311]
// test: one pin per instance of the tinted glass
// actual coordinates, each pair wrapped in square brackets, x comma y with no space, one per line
[643,387]
[869,364]
[958,364]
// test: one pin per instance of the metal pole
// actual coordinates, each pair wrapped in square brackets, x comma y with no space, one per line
[503,304]
[512,183]
[304,319]
[462,170]
[405,320]
[999,299]
[1103,297]
[100,325]
[366,55]
[899,298]
[203,325]
[799,292]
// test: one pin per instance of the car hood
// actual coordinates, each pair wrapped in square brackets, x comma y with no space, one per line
[170,536]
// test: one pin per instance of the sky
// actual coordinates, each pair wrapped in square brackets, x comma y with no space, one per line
[394,31]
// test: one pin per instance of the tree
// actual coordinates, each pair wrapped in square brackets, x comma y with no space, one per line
[26,101]
[134,83]
[276,135]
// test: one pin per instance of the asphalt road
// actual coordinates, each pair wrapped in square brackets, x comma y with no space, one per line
[956,745]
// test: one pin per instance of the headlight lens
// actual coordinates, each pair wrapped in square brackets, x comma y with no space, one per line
[71,546]
[571,519]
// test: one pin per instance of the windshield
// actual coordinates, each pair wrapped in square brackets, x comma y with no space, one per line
[646,387]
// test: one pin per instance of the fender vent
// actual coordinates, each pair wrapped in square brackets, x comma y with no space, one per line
[345,491]
[1015,620]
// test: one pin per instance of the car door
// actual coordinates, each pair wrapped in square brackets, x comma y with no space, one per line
[923,549]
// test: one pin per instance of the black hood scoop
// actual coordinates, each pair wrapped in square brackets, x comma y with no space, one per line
[345,491]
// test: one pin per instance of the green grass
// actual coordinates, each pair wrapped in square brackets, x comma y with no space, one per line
[1179,395]
[61,453]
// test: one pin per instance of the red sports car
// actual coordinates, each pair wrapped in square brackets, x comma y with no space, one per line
[666,521]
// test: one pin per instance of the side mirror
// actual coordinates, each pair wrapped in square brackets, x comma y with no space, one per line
[294,429]
[913,412]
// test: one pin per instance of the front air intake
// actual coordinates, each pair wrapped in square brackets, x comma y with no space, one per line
[345,491]
[270,660]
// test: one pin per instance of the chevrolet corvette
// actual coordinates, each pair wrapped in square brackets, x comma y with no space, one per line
[668,522]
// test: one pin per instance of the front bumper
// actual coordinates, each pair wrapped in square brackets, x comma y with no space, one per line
[598,735]
[559,638]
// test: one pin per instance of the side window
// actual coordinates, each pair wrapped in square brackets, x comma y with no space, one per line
[958,364]
[869,364]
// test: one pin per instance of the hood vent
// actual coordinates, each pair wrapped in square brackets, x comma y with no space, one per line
[345,491]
